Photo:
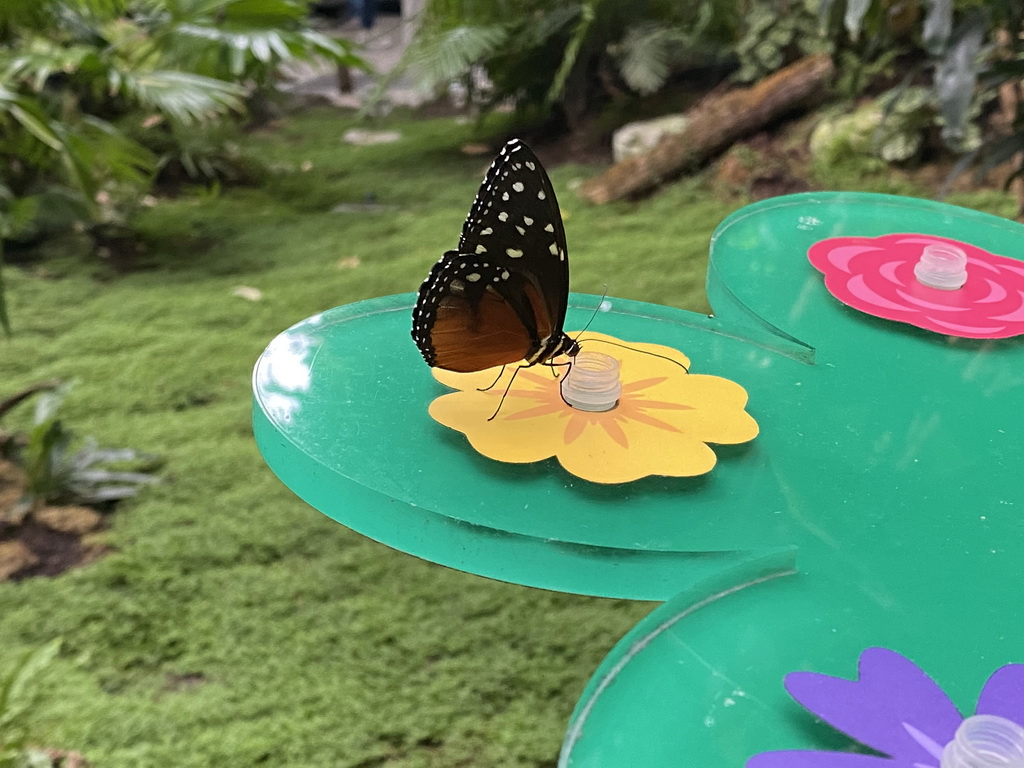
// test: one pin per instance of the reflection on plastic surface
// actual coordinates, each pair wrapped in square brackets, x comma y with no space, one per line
[283,372]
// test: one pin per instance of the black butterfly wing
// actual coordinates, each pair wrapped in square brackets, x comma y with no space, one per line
[473,314]
[504,292]
[515,221]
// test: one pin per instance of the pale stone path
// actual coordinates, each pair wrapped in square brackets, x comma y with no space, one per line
[382,46]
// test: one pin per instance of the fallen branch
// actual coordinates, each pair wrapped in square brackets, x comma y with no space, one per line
[712,127]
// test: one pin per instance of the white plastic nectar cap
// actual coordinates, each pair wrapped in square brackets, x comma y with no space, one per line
[942,266]
[593,383]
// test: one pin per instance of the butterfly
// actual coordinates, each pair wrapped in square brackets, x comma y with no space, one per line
[501,296]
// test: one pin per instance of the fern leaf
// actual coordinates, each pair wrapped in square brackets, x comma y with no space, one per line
[646,57]
[183,97]
[449,55]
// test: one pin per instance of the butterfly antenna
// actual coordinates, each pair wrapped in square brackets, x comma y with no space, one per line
[593,316]
[491,385]
[505,393]
[634,349]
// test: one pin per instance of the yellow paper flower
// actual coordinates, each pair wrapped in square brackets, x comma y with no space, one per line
[662,424]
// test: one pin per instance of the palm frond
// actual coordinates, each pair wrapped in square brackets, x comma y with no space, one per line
[646,54]
[572,51]
[181,96]
[445,56]
[263,12]
[122,158]
[338,50]
[240,48]
[264,45]
[38,59]
[538,29]
[31,116]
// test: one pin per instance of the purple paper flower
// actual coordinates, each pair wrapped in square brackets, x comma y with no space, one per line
[894,708]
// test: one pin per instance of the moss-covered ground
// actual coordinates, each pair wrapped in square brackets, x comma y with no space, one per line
[232,625]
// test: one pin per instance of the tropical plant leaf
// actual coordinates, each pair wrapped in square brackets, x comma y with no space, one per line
[31,116]
[124,159]
[854,16]
[181,96]
[15,698]
[263,12]
[825,14]
[938,26]
[572,51]
[541,27]
[1001,151]
[957,72]
[646,57]
[449,55]
[38,59]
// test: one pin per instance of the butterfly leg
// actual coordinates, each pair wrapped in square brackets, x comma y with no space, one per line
[568,366]
[552,366]
[491,385]
[505,393]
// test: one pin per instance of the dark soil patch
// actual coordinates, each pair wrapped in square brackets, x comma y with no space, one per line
[49,552]
[57,552]
[54,552]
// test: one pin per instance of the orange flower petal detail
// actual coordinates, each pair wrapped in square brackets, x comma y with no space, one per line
[662,424]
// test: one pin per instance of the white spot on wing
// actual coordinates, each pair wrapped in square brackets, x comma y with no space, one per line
[504,195]
[549,228]
[541,195]
[481,249]
[486,231]
[553,249]
[521,230]
[504,274]
[518,186]
[473,277]
[527,220]
[514,253]
[503,216]
[530,165]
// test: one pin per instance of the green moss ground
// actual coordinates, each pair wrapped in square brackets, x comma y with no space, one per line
[233,625]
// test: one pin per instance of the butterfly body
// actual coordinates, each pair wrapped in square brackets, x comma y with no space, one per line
[501,296]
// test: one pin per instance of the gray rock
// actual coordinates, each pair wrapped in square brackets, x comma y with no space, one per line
[640,137]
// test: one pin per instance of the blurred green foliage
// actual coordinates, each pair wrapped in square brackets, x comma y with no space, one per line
[565,61]
[566,57]
[97,95]
[17,697]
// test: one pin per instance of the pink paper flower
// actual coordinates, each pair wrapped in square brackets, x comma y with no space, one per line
[876,276]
